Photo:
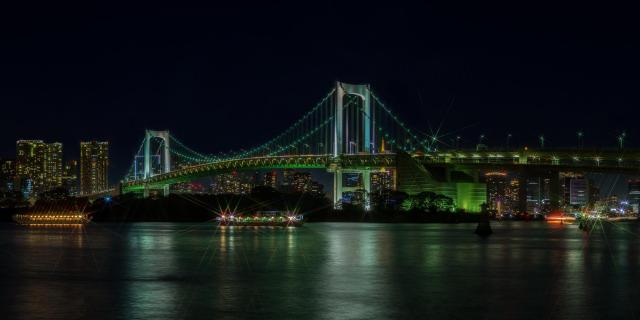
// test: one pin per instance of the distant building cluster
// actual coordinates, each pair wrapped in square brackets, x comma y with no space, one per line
[511,194]
[39,169]
[286,181]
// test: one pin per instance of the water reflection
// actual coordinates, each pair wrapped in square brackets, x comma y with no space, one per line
[321,271]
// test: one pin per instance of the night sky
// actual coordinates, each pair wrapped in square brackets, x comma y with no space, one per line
[225,77]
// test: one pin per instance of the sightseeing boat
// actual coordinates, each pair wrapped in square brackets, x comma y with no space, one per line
[261,218]
[54,213]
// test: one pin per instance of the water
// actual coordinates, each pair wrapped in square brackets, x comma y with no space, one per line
[320,271]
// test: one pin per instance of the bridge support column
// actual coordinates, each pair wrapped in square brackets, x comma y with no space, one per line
[366,181]
[165,190]
[145,192]
[337,189]
[166,139]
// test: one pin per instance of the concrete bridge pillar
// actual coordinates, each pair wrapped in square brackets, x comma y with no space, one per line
[366,181]
[337,188]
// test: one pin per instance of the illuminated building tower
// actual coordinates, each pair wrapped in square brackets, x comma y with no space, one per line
[382,181]
[578,192]
[38,166]
[316,188]
[496,190]
[271,179]
[301,182]
[94,164]
[227,183]
[70,177]
[7,175]
[565,186]
[30,165]
[633,195]
[53,168]
[512,196]
[546,204]
[287,178]
[534,196]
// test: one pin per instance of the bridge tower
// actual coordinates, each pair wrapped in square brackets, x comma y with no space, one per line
[166,156]
[363,120]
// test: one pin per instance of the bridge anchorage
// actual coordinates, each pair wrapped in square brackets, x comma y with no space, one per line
[351,132]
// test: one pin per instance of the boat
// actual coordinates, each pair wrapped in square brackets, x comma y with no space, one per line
[54,213]
[560,217]
[622,218]
[261,218]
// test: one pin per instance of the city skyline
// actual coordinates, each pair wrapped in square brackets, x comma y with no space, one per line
[319,159]
[471,75]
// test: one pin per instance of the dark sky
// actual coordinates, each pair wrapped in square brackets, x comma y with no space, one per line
[224,77]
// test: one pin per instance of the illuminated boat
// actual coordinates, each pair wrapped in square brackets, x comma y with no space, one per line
[65,218]
[68,212]
[560,217]
[261,218]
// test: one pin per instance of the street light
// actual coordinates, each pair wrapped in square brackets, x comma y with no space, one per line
[458,138]
[580,141]
[541,141]
[621,139]
[508,139]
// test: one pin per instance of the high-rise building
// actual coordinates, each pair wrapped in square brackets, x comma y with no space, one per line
[578,192]
[534,196]
[287,179]
[271,179]
[496,190]
[301,182]
[38,166]
[70,177]
[565,186]
[227,183]
[512,196]
[382,181]
[53,169]
[316,188]
[94,164]
[7,175]
[633,195]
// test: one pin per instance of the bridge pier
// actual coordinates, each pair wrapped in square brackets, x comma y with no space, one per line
[339,188]
[146,191]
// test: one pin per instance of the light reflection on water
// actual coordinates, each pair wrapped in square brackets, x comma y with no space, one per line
[320,271]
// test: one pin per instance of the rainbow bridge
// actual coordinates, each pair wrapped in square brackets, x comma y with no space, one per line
[352,131]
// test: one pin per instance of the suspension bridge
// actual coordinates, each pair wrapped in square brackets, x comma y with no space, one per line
[351,131]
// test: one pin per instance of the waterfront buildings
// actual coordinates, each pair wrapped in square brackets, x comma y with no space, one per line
[94,164]
[7,175]
[38,166]
[70,177]
[382,181]
[496,190]
[633,195]
[270,179]
[227,183]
